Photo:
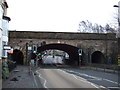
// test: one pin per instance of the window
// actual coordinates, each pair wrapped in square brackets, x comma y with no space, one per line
[1,15]
[5,27]
[4,52]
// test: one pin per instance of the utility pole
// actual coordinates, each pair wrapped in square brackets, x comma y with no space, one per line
[118,36]
[119,43]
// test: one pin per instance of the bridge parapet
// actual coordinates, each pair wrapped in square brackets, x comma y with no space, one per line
[61,35]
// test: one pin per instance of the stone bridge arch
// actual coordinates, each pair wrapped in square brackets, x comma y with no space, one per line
[18,56]
[98,57]
[71,50]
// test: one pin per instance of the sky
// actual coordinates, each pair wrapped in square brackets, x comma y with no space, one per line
[58,15]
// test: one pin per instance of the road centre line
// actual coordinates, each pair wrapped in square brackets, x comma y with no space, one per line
[81,79]
[82,74]
[91,77]
[110,81]
[115,87]
[76,77]
[102,86]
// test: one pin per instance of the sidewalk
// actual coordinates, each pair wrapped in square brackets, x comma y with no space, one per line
[20,78]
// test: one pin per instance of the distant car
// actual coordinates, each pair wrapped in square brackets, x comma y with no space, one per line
[66,56]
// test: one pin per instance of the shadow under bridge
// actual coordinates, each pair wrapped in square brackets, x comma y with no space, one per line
[71,50]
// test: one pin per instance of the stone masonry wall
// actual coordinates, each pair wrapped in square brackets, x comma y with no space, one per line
[105,43]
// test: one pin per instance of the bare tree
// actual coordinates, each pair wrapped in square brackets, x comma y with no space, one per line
[109,29]
[88,27]
[116,23]
[85,26]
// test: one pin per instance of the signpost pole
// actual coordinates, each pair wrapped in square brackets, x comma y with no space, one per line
[119,44]
[80,54]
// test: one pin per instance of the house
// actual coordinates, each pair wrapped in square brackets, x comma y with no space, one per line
[4,22]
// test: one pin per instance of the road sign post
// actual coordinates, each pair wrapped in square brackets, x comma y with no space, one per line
[118,62]
[80,54]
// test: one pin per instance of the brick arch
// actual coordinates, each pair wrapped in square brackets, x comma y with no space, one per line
[18,56]
[98,57]
[71,50]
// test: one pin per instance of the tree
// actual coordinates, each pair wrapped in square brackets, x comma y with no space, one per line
[85,26]
[109,29]
[98,28]
[115,23]
[88,27]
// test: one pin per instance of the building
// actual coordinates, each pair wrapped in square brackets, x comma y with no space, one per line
[4,21]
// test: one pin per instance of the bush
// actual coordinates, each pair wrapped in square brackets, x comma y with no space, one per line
[11,65]
[5,70]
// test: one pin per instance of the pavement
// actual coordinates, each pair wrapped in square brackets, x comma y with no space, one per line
[20,77]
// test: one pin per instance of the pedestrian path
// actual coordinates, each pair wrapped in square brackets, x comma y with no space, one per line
[20,78]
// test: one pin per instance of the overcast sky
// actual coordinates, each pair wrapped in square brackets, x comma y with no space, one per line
[58,15]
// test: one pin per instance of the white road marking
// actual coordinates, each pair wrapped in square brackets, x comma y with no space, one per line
[104,87]
[98,78]
[76,77]
[114,87]
[80,78]
[94,78]
[35,80]
[82,74]
[94,85]
[111,81]
[45,82]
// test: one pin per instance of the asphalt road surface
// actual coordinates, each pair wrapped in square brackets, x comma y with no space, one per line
[55,77]
[60,76]
[50,60]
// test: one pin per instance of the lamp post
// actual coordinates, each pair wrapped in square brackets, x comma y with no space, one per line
[118,6]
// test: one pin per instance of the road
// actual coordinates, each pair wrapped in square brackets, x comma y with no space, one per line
[50,60]
[65,77]
[56,78]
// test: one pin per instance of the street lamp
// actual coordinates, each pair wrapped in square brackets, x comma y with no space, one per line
[118,6]
[115,6]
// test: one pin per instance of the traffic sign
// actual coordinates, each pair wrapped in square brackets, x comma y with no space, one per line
[6,47]
[80,52]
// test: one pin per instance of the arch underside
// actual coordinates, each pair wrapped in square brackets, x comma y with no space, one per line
[71,50]
[98,57]
[18,56]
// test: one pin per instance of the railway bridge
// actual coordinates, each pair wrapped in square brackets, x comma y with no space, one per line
[96,48]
